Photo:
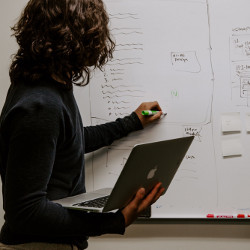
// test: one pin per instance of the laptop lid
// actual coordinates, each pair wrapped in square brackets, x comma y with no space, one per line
[147,165]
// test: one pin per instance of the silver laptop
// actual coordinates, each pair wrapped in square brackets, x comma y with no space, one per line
[147,165]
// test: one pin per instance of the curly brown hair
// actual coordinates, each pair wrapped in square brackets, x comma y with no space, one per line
[62,38]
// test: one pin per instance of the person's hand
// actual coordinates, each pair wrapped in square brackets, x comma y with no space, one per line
[140,203]
[148,106]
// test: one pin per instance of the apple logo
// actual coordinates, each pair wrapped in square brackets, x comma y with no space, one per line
[152,172]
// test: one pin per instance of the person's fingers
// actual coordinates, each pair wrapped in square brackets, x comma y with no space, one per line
[152,196]
[155,106]
[156,116]
[158,195]
[141,202]
[150,106]
[154,191]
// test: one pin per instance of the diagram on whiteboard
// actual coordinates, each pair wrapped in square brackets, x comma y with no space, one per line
[240,64]
[166,58]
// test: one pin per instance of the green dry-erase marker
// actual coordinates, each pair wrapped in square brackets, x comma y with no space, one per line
[149,112]
[152,112]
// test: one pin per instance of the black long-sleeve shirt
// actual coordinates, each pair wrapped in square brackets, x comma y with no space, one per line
[42,146]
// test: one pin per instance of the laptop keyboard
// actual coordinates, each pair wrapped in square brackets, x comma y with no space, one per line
[99,202]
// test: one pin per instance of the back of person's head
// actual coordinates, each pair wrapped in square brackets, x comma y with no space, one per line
[62,38]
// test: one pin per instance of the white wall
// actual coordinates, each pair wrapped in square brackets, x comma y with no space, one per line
[139,236]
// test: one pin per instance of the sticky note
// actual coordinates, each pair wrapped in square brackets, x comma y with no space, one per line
[231,122]
[231,146]
[248,122]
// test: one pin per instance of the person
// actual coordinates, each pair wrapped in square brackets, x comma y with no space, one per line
[42,137]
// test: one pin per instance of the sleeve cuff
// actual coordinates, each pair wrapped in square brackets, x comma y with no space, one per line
[121,222]
[137,121]
[130,123]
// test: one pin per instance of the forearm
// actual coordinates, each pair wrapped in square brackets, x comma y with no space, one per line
[103,135]
[48,220]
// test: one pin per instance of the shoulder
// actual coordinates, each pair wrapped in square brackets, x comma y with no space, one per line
[39,98]
[34,106]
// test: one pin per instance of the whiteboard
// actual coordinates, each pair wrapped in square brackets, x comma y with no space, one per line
[193,57]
